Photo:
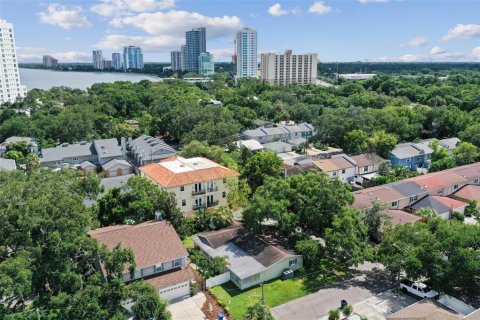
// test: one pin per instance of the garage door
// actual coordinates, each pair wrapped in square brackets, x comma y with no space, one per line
[176,291]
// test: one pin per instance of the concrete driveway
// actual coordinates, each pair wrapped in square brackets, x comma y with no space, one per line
[189,308]
[365,281]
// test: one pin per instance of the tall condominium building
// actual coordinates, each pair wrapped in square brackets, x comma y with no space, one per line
[289,68]
[132,58]
[97,59]
[183,51]
[107,64]
[10,87]
[117,61]
[196,43]
[206,65]
[176,60]
[50,62]
[246,53]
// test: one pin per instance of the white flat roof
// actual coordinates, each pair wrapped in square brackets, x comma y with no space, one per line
[180,164]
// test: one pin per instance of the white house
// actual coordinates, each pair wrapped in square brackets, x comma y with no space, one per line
[340,167]
[252,260]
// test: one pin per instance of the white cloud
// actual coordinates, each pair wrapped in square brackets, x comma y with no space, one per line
[475,55]
[319,7]
[416,42]
[175,23]
[276,10]
[59,15]
[33,54]
[463,31]
[372,1]
[109,8]
[150,43]
[437,50]
[411,58]
[222,54]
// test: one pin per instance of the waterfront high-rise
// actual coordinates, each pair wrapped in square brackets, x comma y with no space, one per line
[10,86]
[117,61]
[50,62]
[183,57]
[196,44]
[206,65]
[289,68]
[176,60]
[246,56]
[132,58]
[97,57]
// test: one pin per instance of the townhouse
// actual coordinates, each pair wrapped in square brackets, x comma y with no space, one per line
[293,134]
[196,182]
[147,149]
[340,167]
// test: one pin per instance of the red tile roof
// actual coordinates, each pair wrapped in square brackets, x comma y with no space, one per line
[365,198]
[449,202]
[152,242]
[169,279]
[469,192]
[167,178]
[399,217]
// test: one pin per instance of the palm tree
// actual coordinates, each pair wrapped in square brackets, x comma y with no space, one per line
[219,265]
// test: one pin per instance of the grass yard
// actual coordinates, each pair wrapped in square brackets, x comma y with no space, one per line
[276,291]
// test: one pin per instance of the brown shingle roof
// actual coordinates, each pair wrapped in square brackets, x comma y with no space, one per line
[367,159]
[159,173]
[152,242]
[171,278]
[425,310]
[399,217]
[334,164]
[469,192]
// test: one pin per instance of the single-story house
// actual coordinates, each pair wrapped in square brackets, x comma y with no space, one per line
[7,165]
[160,257]
[87,166]
[442,205]
[114,168]
[468,193]
[278,146]
[252,260]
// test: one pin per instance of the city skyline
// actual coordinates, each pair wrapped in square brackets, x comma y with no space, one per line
[355,30]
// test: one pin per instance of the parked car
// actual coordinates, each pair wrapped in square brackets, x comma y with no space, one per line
[418,289]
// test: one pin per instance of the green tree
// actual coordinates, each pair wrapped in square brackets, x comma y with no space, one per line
[32,162]
[238,192]
[465,153]
[260,166]
[355,142]
[346,242]
[21,146]
[256,311]
[471,134]
[374,218]
[311,252]
[14,155]
[382,143]
[147,303]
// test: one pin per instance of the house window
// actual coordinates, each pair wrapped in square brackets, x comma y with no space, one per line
[177,263]
[292,262]
[394,204]
[75,159]
[334,173]
[414,198]
[182,188]
[455,187]
[224,180]
[159,268]
[365,169]
[440,191]
[184,202]
[476,181]
[224,194]
[343,171]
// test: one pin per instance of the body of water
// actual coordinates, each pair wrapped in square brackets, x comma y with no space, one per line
[46,79]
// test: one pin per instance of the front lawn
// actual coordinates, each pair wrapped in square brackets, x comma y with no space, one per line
[276,291]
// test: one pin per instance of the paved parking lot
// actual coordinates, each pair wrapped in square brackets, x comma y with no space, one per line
[188,309]
[366,281]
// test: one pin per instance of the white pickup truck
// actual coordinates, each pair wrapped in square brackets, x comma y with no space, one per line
[417,288]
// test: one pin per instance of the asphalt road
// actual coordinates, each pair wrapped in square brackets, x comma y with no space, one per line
[365,281]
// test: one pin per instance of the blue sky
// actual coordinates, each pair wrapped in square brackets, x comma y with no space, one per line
[348,30]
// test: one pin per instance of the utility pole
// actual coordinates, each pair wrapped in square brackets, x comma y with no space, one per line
[263,303]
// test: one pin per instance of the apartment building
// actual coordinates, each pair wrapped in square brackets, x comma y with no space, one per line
[176,60]
[132,58]
[246,55]
[97,58]
[117,63]
[160,257]
[196,43]
[10,86]
[50,62]
[288,68]
[196,182]
[206,64]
